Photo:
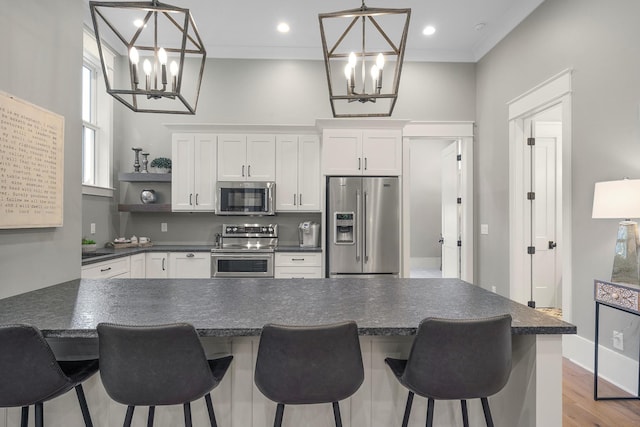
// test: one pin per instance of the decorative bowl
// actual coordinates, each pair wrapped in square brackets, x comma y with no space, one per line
[148,196]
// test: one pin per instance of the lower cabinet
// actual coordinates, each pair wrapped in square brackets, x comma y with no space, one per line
[138,266]
[190,265]
[298,265]
[156,265]
[119,268]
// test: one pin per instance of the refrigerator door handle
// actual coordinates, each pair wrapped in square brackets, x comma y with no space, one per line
[364,226]
[357,219]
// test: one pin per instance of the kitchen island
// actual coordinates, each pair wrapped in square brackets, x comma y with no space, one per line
[229,314]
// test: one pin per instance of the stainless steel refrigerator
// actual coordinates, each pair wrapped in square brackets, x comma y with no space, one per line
[363,226]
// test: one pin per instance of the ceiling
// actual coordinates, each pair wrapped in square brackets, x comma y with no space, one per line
[465,29]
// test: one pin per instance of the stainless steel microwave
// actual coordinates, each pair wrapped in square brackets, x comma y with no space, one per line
[245,198]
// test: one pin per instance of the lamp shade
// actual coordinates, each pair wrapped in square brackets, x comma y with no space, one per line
[617,199]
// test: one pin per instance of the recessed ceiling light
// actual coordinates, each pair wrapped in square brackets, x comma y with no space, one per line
[480,26]
[429,30]
[138,23]
[283,27]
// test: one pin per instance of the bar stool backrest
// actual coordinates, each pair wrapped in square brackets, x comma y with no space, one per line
[29,372]
[308,365]
[153,365]
[460,359]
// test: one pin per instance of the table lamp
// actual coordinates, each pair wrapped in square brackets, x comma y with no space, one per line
[621,200]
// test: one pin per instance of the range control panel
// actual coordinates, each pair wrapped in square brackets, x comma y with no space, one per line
[249,230]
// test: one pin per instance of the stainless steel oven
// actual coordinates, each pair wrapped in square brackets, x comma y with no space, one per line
[245,250]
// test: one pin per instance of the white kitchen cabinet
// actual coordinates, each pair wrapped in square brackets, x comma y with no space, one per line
[156,265]
[137,269]
[299,265]
[246,158]
[190,265]
[119,267]
[193,177]
[297,173]
[362,152]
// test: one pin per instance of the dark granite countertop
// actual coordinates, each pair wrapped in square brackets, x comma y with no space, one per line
[106,254]
[240,307]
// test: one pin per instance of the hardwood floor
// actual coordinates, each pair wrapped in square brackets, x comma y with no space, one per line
[580,410]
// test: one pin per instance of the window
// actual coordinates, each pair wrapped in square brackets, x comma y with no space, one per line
[97,106]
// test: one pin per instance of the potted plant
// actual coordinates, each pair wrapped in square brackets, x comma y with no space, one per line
[88,245]
[162,164]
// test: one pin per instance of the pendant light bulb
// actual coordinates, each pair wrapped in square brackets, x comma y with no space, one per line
[146,66]
[162,56]
[173,68]
[374,72]
[134,56]
[380,61]
[347,71]
[352,60]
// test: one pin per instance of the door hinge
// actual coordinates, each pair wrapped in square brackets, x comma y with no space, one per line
[459,157]
[531,141]
[459,200]
[531,250]
[531,195]
[459,243]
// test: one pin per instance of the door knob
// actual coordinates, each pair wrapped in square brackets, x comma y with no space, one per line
[552,244]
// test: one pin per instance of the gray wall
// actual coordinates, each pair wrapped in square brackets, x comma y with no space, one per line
[426,197]
[42,50]
[599,41]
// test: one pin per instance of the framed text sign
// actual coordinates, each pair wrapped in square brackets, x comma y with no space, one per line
[31,165]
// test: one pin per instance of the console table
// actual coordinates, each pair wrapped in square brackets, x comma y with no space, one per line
[620,297]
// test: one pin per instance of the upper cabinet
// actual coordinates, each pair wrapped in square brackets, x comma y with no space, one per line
[297,173]
[246,158]
[193,177]
[362,152]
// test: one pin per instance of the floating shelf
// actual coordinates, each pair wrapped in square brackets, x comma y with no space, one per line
[151,207]
[144,177]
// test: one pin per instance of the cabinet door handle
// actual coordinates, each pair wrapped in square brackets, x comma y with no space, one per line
[190,199]
[190,255]
[359,162]
[249,170]
[243,170]
[294,199]
[102,270]
[196,199]
[297,259]
[300,199]
[365,163]
[162,264]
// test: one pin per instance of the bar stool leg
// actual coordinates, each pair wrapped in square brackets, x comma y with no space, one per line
[465,414]
[336,414]
[151,416]
[212,415]
[279,412]
[83,406]
[430,413]
[129,416]
[187,414]
[487,411]
[407,410]
[24,418]
[39,414]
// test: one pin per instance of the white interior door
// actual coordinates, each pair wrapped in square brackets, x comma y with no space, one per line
[545,264]
[450,211]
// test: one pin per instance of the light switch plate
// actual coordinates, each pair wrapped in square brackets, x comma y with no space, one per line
[484,228]
[163,227]
[93,228]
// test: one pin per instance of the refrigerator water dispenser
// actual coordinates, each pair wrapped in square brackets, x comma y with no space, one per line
[344,232]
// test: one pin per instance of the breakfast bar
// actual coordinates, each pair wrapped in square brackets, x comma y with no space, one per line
[229,315]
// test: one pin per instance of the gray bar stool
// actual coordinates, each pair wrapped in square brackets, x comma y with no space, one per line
[157,365]
[456,360]
[31,375]
[299,365]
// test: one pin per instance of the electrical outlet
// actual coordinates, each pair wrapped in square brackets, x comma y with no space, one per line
[93,228]
[484,228]
[618,340]
[163,227]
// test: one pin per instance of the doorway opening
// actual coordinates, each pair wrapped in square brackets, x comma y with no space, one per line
[540,196]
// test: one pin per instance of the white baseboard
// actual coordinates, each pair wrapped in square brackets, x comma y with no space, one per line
[613,367]
[425,263]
